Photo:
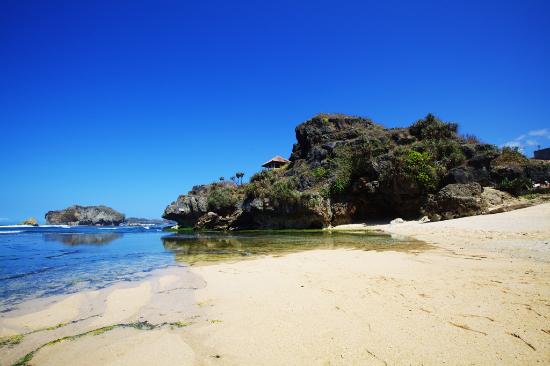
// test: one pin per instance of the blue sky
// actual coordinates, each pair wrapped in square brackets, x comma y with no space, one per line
[130,103]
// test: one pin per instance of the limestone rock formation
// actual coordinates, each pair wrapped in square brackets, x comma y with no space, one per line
[30,221]
[85,215]
[456,200]
[346,169]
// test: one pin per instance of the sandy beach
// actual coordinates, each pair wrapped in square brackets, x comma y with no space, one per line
[478,294]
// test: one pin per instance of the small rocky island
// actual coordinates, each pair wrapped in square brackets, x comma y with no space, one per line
[345,169]
[30,221]
[85,215]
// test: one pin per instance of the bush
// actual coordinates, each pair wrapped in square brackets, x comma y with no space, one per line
[516,186]
[350,162]
[470,139]
[273,185]
[263,175]
[222,201]
[447,153]
[283,191]
[342,164]
[432,127]
[320,173]
[510,156]
[419,168]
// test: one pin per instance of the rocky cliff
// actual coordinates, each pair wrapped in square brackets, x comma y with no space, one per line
[85,215]
[347,169]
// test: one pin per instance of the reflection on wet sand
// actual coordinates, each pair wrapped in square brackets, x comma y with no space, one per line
[80,239]
[195,248]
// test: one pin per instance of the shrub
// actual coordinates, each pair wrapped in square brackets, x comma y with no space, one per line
[274,185]
[342,164]
[320,173]
[516,186]
[470,139]
[419,168]
[432,127]
[325,192]
[283,191]
[510,156]
[447,153]
[222,200]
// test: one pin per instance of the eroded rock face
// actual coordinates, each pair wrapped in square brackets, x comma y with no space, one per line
[213,221]
[456,200]
[320,135]
[85,215]
[306,213]
[187,209]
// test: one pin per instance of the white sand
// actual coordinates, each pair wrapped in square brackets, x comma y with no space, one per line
[63,311]
[481,296]
[120,347]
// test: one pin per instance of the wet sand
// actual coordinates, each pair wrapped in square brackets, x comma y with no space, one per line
[480,295]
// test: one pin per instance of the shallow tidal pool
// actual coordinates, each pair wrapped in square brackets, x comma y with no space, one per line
[43,261]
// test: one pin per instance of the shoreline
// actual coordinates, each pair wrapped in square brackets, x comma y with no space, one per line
[480,295]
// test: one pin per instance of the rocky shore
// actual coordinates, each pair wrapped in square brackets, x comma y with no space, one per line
[346,169]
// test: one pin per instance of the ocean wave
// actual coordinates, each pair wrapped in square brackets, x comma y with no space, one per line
[12,232]
[61,226]
[13,226]
[108,228]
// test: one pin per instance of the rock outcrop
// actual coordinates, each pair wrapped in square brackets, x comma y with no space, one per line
[455,200]
[346,169]
[30,221]
[187,209]
[85,215]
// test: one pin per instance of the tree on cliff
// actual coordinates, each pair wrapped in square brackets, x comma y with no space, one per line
[240,176]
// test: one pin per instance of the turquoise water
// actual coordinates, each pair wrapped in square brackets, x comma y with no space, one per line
[44,261]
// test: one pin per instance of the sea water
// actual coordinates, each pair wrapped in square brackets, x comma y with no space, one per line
[50,260]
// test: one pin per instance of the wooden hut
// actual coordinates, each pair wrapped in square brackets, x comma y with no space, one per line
[275,163]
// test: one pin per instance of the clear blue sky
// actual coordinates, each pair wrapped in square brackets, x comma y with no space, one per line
[130,103]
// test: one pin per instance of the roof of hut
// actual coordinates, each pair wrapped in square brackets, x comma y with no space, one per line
[276,159]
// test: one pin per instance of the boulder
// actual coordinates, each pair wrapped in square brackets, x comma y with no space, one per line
[213,221]
[468,174]
[85,215]
[30,221]
[424,220]
[456,200]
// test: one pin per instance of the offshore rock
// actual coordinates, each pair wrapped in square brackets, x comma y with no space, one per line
[30,221]
[85,215]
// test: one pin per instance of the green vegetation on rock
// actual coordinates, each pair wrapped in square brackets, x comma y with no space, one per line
[347,169]
[420,168]
[222,199]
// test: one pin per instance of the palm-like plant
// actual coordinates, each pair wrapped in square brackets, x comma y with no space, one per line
[240,176]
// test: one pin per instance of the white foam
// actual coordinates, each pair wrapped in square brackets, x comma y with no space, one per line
[14,226]
[61,226]
[11,232]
